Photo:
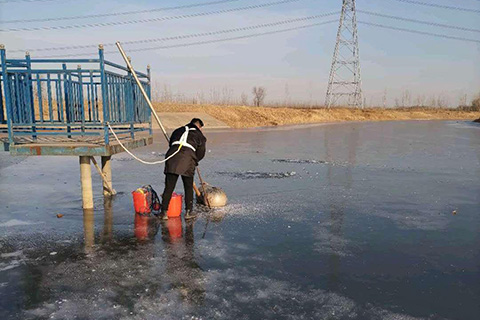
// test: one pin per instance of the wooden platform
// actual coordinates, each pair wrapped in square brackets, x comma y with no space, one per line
[54,146]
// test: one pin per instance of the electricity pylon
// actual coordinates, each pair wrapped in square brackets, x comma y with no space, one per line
[344,85]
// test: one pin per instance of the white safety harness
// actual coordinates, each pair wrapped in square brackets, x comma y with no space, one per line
[181,143]
[183,139]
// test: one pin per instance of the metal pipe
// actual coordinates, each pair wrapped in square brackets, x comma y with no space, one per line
[203,189]
[142,90]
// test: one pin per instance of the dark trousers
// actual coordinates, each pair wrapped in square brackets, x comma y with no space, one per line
[170,183]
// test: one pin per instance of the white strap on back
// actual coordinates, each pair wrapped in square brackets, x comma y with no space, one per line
[183,139]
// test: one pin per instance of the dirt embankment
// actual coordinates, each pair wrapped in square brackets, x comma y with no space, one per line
[247,117]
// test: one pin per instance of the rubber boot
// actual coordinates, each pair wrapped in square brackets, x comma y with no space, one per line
[190,215]
[164,215]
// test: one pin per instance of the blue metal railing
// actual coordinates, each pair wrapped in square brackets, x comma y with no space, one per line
[49,97]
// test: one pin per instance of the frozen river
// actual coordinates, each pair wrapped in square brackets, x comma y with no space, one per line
[341,221]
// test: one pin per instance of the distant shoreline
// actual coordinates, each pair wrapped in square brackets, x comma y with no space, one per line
[258,117]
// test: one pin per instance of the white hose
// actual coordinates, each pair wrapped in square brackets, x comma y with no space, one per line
[137,158]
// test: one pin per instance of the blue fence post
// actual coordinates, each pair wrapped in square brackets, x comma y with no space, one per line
[2,108]
[40,97]
[29,96]
[68,102]
[50,103]
[103,79]
[149,93]
[8,100]
[80,93]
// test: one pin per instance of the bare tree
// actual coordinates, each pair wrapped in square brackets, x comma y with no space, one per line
[167,95]
[463,100]
[397,103]
[214,96]
[385,98]
[259,94]
[227,95]
[421,100]
[476,103]
[442,101]
[406,98]
[244,99]
[200,97]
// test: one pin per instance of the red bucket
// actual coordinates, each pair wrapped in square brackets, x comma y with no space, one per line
[141,201]
[175,206]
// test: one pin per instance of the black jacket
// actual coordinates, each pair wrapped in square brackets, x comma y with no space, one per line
[185,161]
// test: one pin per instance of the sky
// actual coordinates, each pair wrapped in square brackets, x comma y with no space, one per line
[293,66]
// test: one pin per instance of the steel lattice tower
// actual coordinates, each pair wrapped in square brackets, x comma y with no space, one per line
[344,85]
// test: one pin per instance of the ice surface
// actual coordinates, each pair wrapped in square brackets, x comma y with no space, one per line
[363,230]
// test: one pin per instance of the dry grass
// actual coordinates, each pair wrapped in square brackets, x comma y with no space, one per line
[247,117]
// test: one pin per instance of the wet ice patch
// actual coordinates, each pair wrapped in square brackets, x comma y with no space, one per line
[158,154]
[4,266]
[246,175]
[303,161]
[15,222]
[18,253]
[257,210]
[408,216]
[236,293]
[11,260]
[123,159]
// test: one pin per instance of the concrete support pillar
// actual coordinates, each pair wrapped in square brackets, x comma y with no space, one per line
[107,172]
[86,181]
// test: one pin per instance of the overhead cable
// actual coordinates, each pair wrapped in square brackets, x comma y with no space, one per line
[188,44]
[419,32]
[186,36]
[436,5]
[178,17]
[18,1]
[430,23]
[205,41]
[124,13]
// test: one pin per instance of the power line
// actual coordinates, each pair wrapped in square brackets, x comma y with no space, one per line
[118,23]
[430,23]
[269,33]
[435,5]
[420,32]
[206,41]
[124,13]
[187,36]
[18,1]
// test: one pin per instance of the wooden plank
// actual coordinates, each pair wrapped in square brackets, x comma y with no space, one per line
[77,148]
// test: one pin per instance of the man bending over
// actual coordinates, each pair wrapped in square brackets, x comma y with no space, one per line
[188,142]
